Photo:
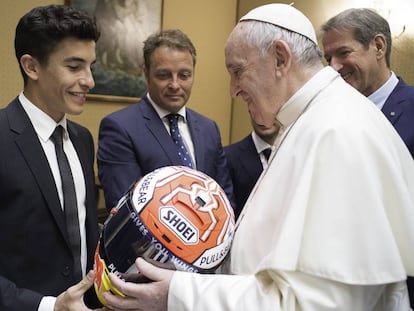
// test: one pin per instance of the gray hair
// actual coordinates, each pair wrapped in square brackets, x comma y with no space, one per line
[365,24]
[262,35]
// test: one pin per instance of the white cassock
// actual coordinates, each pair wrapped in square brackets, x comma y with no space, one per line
[329,225]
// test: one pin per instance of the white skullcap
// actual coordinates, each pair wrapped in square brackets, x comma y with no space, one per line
[285,16]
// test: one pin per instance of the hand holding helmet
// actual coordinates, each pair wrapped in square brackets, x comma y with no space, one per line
[175,217]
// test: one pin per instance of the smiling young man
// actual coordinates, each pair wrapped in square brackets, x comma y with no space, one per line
[43,249]
[138,139]
[357,44]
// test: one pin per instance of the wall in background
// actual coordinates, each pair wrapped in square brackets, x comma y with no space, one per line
[11,81]
[208,23]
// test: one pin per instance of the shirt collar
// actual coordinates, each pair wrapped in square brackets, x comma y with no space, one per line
[380,96]
[43,124]
[292,109]
[162,113]
[259,143]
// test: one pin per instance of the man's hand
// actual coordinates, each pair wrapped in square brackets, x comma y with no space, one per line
[72,298]
[151,296]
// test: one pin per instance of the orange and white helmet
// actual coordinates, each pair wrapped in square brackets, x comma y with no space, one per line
[175,216]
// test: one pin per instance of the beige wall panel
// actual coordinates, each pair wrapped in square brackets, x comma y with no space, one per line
[208,24]
[10,78]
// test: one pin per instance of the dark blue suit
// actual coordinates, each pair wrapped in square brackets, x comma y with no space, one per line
[245,168]
[134,141]
[399,109]
[34,246]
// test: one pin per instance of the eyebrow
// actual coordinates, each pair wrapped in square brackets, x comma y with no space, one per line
[230,65]
[76,59]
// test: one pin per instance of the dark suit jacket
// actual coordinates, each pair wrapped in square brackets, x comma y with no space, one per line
[245,168]
[34,247]
[399,109]
[134,141]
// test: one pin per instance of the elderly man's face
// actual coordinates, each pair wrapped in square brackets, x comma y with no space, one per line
[252,76]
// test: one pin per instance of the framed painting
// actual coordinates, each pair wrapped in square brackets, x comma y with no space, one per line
[124,25]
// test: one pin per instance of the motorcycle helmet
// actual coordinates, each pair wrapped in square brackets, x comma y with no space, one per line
[174,217]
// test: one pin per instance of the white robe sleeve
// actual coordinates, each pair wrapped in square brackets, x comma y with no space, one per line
[293,291]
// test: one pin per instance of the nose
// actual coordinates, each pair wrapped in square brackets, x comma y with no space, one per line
[174,84]
[335,64]
[87,80]
[234,88]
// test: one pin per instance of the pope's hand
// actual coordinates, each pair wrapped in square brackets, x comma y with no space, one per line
[152,296]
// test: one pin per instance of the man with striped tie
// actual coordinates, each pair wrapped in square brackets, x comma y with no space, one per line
[160,130]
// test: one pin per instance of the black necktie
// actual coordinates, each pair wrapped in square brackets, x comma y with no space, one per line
[266,152]
[70,205]
[178,140]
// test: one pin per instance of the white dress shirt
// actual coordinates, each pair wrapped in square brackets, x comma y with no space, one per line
[182,126]
[44,127]
[380,96]
[261,145]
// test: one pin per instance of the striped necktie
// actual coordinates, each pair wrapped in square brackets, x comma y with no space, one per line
[178,140]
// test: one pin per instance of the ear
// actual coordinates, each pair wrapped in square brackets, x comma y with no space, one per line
[380,45]
[283,56]
[146,74]
[30,66]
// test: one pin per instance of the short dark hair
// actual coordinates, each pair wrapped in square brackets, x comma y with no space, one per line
[172,38]
[40,30]
[365,24]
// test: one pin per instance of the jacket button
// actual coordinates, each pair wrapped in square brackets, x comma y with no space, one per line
[66,271]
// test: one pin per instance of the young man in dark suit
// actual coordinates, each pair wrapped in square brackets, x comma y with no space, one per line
[43,252]
[357,44]
[136,140]
[246,160]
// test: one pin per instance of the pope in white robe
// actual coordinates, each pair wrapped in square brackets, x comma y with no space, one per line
[328,225]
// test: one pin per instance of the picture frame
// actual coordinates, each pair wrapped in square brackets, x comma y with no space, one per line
[124,25]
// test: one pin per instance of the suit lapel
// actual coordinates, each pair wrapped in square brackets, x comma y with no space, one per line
[87,167]
[91,222]
[82,154]
[32,151]
[392,108]
[158,130]
[250,159]
[198,142]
